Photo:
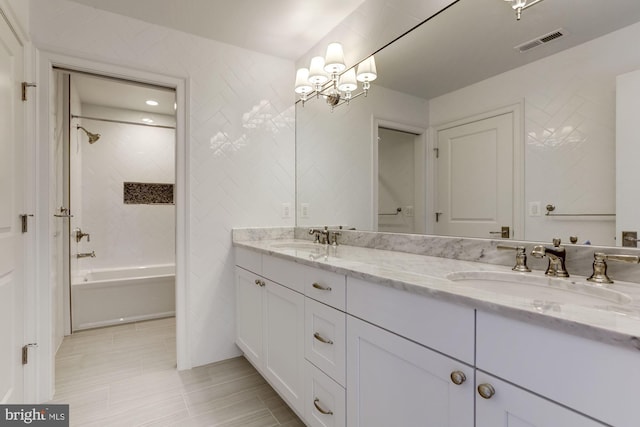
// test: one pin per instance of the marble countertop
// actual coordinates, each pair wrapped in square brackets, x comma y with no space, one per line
[605,320]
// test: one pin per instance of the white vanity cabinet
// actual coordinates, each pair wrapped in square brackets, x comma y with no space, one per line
[505,405]
[270,330]
[589,377]
[393,378]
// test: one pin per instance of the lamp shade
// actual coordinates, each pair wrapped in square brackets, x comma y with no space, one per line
[334,59]
[302,81]
[317,75]
[348,82]
[367,70]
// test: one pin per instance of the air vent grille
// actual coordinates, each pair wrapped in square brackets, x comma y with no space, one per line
[539,41]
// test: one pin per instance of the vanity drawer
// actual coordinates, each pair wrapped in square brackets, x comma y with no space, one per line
[325,339]
[442,326]
[594,378]
[329,287]
[249,260]
[325,400]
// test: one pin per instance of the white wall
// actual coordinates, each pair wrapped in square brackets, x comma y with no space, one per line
[122,235]
[335,156]
[569,101]
[240,124]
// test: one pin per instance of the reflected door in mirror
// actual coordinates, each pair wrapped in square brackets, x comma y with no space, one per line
[475,178]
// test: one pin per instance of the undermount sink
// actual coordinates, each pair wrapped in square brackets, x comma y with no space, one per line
[308,246]
[527,285]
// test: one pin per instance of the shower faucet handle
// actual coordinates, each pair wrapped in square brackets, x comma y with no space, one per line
[79,235]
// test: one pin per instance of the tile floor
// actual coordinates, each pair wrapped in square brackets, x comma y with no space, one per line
[126,376]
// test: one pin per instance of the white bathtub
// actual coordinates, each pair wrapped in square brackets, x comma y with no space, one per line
[114,296]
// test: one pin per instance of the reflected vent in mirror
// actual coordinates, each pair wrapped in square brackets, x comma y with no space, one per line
[539,41]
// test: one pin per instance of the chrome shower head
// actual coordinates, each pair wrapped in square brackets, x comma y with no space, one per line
[93,137]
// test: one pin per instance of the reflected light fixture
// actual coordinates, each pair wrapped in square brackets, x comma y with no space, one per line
[520,5]
[330,78]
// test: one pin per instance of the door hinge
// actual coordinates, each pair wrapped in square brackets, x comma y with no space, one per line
[25,85]
[25,352]
[25,223]
[437,151]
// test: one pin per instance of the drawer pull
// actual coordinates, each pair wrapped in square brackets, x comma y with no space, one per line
[322,339]
[320,287]
[486,391]
[458,377]
[322,411]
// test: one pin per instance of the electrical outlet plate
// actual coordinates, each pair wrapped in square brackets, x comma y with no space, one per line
[286,210]
[304,210]
[534,208]
[408,211]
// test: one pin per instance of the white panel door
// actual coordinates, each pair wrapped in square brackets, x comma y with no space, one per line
[511,406]
[475,178]
[11,206]
[392,381]
[627,155]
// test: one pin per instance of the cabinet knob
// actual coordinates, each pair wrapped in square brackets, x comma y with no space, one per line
[458,377]
[316,402]
[257,282]
[322,339]
[260,282]
[320,287]
[486,390]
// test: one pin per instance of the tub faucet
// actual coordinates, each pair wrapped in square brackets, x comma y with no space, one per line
[556,254]
[91,254]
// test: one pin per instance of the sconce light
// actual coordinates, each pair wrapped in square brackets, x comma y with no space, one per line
[520,5]
[329,77]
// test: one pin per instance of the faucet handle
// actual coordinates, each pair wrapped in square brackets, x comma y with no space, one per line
[556,242]
[600,259]
[521,257]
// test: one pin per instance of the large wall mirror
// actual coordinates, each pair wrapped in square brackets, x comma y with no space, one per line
[477,122]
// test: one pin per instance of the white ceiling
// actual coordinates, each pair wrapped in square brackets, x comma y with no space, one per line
[112,93]
[475,39]
[283,28]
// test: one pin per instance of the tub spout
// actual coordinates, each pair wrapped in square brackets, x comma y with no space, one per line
[91,254]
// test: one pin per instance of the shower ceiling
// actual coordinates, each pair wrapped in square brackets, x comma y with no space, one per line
[112,93]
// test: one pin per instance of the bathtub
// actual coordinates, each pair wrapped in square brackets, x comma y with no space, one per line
[113,296]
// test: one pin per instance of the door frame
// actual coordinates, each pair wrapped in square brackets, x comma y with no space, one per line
[45,63]
[517,111]
[420,147]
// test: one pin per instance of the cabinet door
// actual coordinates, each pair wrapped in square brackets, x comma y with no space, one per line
[511,406]
[392,381]
[249,315]
[284,343]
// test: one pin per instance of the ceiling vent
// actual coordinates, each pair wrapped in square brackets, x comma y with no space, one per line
[539,41]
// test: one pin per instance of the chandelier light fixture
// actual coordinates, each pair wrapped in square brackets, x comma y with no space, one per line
[520,5]
[329,78]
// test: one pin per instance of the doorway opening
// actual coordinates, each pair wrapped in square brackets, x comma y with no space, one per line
[115,171]
[399,178]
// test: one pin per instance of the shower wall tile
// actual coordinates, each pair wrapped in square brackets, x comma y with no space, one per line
[241,144]
[125,235]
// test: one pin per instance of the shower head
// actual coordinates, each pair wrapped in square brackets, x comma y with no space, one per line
[93,137]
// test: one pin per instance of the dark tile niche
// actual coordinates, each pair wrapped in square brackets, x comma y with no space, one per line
[142,193]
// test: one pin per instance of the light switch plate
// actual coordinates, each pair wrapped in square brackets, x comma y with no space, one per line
[304,210]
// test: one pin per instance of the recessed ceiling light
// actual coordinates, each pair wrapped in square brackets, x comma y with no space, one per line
[147,120]
[152,102]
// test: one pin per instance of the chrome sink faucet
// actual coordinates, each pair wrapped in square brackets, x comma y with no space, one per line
[328,236]
[556,254]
